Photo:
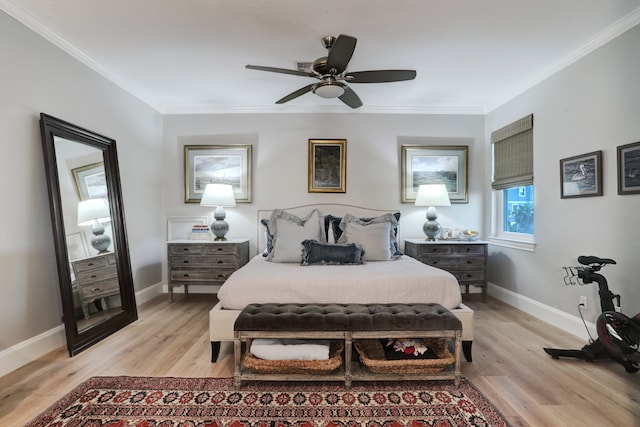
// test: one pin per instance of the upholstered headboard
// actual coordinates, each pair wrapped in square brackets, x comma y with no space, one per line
[326,208]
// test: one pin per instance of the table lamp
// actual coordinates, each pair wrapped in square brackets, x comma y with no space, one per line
[432,195]
[94,212]
[220,196]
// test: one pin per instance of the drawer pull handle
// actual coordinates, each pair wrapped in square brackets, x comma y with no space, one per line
[185,249]
[90,264]
[220,276]
[220,249]
[93,276]
[469,262]
[185,275]
[186,261]
[220,261]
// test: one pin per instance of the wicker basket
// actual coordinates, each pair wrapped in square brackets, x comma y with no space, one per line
[373,357]
[308,367]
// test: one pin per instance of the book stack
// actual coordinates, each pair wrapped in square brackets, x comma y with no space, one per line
[200,232]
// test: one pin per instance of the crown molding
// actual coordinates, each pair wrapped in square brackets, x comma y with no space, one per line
[324,109]
[611,32]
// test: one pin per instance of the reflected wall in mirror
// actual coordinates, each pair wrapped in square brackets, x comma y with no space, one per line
[92,254]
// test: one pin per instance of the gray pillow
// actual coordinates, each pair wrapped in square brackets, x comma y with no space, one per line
[315,253]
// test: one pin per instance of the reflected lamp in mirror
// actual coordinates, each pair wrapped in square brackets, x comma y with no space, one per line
[221,196]
[95,212]
[432,195]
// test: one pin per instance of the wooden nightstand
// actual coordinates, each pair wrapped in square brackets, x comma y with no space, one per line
[466,260]
[96,278]
[198,262]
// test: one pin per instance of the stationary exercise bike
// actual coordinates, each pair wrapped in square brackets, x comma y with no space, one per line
[618,335]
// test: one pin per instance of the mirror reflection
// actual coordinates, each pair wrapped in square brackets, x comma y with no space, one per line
[87,223]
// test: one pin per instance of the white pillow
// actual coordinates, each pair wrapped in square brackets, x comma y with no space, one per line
[289,231]
[373,236]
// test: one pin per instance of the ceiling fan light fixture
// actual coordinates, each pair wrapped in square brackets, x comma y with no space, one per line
[329,90]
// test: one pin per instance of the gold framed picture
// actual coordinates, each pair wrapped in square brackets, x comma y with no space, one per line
[327,166]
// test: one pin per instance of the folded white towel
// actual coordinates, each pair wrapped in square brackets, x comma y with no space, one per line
[290,349]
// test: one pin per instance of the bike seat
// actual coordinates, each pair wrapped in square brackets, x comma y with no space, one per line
[590,259]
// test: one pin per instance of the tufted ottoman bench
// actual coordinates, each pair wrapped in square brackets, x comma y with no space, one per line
[346,322]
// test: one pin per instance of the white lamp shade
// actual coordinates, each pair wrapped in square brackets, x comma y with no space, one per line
[218,195]
[92,210]
[432,195]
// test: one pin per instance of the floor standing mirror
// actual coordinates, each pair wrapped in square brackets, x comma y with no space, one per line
[89,232]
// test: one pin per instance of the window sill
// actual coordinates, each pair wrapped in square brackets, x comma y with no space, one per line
[513,244]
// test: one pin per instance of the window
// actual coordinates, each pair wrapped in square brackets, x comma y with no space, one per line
[513,195]
[518,210]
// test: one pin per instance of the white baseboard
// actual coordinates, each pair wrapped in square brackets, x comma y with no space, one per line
[560,319]
[27,351]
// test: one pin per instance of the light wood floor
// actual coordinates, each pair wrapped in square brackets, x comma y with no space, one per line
[509,366]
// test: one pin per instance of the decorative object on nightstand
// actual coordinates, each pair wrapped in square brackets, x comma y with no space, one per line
[220,196]
[202,262]
[432,195]
[94,212]
[466,260]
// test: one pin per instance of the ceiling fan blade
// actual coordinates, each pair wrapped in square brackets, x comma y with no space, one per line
[340,53]
[350,98]
[280,70]
[380,76]
[295,94]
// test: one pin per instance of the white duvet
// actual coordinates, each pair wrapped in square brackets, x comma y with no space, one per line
[405,280]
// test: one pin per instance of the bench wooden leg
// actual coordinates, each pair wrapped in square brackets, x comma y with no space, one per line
[215,351]
[466,348]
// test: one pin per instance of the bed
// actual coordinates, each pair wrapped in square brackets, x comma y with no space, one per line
[360,264]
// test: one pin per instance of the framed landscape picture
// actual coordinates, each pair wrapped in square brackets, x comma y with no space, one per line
[445,164]
[217,164]
[327,166]
[90,181]
[629,168]
[581,176]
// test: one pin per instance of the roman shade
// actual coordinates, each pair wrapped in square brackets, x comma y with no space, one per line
[513,154]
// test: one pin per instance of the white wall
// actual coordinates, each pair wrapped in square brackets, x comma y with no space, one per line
[280,151]
[591,105]
[36,77]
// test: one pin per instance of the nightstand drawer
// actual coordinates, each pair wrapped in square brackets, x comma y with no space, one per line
[200,275]
[186,249]
[94,262]
[196,261]
[96,275]
[469,276]
[217,249]
[469,249]
[456,263]
[100,289]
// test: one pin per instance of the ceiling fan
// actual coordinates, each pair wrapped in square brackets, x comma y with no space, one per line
[331,70]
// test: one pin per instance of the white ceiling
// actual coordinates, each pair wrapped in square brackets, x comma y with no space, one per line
[186,56]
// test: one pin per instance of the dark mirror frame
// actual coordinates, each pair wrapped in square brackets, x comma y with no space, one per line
[78,341]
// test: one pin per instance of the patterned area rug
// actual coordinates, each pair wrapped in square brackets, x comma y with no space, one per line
[211,402]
